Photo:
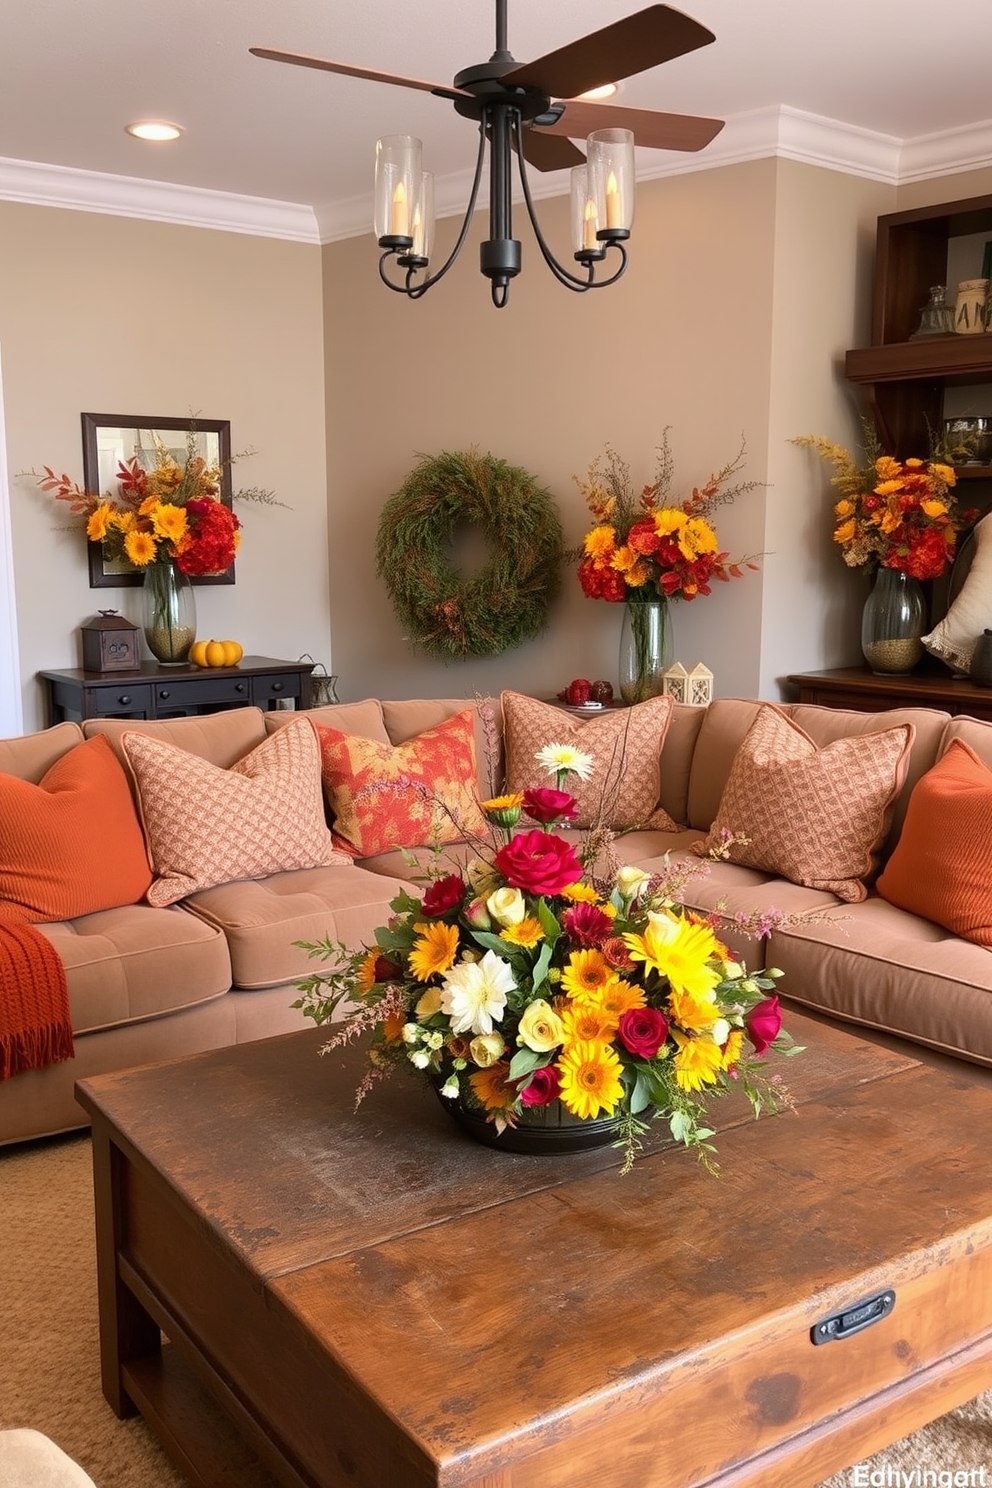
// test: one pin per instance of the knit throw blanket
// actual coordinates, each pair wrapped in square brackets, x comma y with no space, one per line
[35,1027]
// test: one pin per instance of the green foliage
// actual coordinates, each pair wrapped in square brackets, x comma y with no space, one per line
[446,614]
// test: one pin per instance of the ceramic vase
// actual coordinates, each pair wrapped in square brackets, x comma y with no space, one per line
[893,623]
[169,613]
[645,649]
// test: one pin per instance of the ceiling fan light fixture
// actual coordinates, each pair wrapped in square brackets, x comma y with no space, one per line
[610,171]
[597,95]
[398,190]
[157,130]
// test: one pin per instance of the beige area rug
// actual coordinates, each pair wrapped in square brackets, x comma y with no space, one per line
[50,1358]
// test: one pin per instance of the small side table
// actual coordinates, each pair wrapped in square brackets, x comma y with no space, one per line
[862,690]
[154,691]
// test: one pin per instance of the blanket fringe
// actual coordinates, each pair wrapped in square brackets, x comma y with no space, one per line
[35,1023]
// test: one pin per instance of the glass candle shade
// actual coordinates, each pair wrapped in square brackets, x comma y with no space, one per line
[585,219]
[422,221]
[398,181]
[610,168]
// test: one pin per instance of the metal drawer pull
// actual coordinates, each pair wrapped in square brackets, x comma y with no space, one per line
[163,693]
[124,700]
[853,1319]
[277,687]
[239,687]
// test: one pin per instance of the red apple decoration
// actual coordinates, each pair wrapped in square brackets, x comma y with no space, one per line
[601,692]
[577,692]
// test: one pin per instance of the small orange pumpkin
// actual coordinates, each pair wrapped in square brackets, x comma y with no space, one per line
[215,653]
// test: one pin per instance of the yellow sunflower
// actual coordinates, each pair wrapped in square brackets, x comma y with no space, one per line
[586,1023]
[587,972]
[590,1080]
[434,950]
[679,950]
[491,1086]
[527,933]
[140,547]
[99,522]
[599,543]
[697,1062]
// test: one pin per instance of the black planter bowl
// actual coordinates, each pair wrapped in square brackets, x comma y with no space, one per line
[540,1131]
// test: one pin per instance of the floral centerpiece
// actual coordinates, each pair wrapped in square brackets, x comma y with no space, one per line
[169,513]
[647,548]
[898,514]
[523,981]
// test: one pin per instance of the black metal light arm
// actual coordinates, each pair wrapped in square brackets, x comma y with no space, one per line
[406,260]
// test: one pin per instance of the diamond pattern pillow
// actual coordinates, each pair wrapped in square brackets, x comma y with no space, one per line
[941,867]
[206,826]
[387,796]
[625,744]
[814,816]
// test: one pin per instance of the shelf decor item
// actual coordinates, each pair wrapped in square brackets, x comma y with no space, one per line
[169,612]
[893,623]
[937,316]
[969,309]
[520,986]
[645,549]
[895,517]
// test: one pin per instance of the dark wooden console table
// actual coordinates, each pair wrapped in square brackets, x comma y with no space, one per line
[153,691]
[862,690]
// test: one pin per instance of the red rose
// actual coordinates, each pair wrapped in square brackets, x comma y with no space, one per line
[386,970]
[643,1031]
[544,1087]
[586,924]
[538,863]
[443,894]
[763,1023]
[546,805]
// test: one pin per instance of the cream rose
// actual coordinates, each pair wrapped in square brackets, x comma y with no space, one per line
[486,1049]
[507,906]
[631,881]
[540,1027]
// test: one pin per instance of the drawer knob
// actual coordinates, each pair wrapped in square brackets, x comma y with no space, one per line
[239,687]
[124,699]
[163,693]
[277,687]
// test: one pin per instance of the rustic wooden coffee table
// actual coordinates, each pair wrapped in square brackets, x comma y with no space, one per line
[373,1300]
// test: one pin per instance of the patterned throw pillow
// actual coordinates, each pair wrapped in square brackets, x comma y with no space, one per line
[72,844]
[387,796]
[814,816]
[625,744]
[206,826]
[941,867]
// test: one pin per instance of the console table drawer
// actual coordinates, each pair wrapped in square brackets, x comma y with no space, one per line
[206,690]
[267,690]
[123,700]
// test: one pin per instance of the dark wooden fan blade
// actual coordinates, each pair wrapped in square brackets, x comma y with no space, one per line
[298,59]
[619,51]
[655,130]
[547,152]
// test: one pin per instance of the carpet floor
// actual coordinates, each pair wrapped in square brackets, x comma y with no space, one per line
[50,1358]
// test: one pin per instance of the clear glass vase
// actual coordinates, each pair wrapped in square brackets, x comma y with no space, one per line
[645,649]
[169,613]
[893,623]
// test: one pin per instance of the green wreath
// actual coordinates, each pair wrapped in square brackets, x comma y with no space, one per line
[498,608]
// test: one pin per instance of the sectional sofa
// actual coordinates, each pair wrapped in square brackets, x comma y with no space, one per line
[210,966]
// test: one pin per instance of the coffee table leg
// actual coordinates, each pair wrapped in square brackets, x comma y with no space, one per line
[126,1330]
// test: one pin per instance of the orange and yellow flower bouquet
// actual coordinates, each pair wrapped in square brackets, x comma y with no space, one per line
[522,980]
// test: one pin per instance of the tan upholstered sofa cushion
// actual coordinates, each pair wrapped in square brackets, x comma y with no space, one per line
[364,719]
[874,964]
[135,962]
[405,718]
[29,756]
[262,918]
[220,738]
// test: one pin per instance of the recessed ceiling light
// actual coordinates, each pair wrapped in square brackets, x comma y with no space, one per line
[154,129]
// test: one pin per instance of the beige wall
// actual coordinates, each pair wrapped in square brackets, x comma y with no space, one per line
[746,285]
[109,314]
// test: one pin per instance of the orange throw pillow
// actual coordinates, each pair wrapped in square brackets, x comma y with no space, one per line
[408,795]
[814,816]
[941,867]
[207,826]
[71,845]
[625,744]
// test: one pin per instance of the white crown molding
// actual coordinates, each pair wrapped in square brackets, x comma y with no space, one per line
[156,201]
[782,132]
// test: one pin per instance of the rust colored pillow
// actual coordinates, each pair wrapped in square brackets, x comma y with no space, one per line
[71,845]
[814,816]
[207,826]
[625,744]
[941,867]
[387,796]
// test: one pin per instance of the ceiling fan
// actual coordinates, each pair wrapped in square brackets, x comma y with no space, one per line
[533,108]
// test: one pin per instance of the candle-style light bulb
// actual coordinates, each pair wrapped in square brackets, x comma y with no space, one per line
[589,236]
[399,221]
[612,202]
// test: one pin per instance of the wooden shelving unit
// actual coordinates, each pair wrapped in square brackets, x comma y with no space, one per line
[904,380]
